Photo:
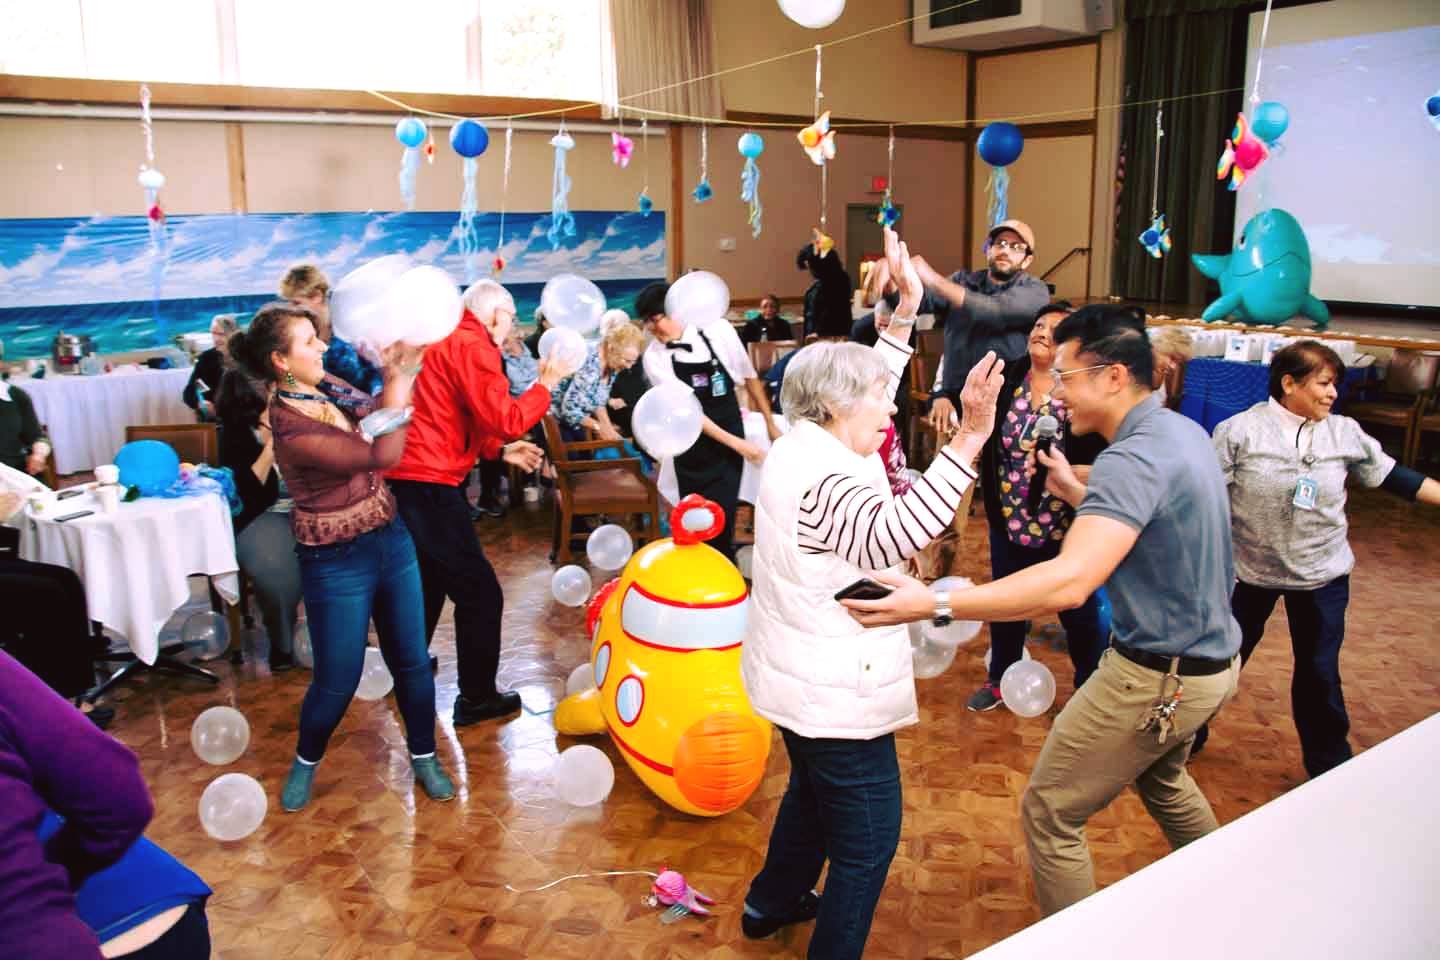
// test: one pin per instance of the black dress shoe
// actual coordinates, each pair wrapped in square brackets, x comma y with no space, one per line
[474,711]
[488,507]
[762,926]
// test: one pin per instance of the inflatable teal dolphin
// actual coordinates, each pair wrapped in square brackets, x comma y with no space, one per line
[1266,278]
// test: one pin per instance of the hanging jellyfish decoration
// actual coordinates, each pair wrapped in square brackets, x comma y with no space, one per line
[999,144]
[497,266]
[751,146]
[411,133]
[469,139]
[1156,237]
[1432,109]
[562,221]
[703,190]
[643,203]
[151,180]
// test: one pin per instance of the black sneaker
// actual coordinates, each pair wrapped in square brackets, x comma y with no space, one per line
[100,716]
[280,661]
[488,507]
[474,711]
[757,927]
[986,698]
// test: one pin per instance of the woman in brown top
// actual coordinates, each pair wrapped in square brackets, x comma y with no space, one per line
[356,557]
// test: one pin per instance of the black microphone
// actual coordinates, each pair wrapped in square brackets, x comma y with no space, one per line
[1046,429]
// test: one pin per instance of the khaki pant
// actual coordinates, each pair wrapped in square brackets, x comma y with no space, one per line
[1094,751]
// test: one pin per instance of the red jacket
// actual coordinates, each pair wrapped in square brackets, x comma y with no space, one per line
[463,408]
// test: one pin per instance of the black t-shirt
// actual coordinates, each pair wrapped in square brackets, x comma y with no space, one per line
[19,428]
[239,449]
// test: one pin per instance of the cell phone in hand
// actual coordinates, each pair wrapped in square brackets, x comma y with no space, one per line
[864,589]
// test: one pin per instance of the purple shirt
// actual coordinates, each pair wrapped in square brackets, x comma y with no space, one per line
[52,756]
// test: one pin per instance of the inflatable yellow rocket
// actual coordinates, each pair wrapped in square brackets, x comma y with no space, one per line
[666,653]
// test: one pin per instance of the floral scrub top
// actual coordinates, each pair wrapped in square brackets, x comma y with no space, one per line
[1017,440]
[578,395]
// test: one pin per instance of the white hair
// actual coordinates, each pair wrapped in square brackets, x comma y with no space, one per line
[483,297]
[226,322]
[829,378]
[612,318]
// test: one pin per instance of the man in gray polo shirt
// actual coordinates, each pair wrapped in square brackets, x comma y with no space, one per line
[1153,525]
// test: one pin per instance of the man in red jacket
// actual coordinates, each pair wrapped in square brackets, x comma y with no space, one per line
[464,412]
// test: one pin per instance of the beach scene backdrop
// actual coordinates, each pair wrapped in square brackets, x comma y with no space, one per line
[104,277]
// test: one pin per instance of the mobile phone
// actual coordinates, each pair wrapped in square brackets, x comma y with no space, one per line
[74,516]
[864,589]
[67,494]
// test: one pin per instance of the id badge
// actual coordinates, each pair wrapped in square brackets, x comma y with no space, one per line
[1306,492]
[698,380]
[717,384]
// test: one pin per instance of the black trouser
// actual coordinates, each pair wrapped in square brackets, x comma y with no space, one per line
[718,482]
[1317,629]
[453,565]
[45,626]
[491,472]
[188,939]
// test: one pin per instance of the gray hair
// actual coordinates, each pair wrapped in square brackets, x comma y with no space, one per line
[226,322]
[1173,341]
[482,298]
[827,378]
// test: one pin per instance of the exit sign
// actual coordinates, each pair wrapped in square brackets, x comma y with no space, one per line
[879,184]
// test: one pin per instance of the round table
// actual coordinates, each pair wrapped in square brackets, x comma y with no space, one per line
[134,563]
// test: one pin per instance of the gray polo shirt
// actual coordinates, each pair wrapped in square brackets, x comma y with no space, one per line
[1171,593]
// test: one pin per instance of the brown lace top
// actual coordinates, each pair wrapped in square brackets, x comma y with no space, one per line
[332,472]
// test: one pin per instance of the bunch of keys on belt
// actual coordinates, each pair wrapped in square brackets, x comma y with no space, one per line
[1160,717]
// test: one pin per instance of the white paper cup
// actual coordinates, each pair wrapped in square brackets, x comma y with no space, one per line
[107,473]
[108,496]
[39,504]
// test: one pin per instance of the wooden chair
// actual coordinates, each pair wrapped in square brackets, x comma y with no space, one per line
[767,353]
[590,487]
[48,476]
[1401,399]
[193,442]
[1427,422]
[923,366]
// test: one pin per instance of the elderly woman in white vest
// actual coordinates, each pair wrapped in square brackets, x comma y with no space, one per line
[826,518]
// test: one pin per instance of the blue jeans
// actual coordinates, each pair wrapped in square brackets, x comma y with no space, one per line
[1317,629]
[843,802]
[1085,635]
[345,585]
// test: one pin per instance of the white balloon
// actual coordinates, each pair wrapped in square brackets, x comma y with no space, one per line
[358,303]
[220,735]
[207,634]
[151,179]
[1024,655]
[304,652]
[232,806]
[667,419]
[582,678]
[745,560]
[813,13]
[958,632]
[422,306]
[571,586]
[571,301]
[584,776]
[565,345]
[928,659]
[609,547]
[1027,688]
[375,678]
[698,298]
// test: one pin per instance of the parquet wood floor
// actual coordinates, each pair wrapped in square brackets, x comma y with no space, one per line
[372,869]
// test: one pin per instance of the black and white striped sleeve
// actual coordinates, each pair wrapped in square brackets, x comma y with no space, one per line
[896,355]
[843,515]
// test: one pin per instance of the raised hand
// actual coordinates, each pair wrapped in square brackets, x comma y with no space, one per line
[979,395]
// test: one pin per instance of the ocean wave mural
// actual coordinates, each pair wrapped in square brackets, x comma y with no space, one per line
[94,276]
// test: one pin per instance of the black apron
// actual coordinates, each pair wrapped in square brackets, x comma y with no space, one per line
[710,468]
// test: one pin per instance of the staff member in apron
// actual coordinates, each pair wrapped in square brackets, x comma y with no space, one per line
[712,362]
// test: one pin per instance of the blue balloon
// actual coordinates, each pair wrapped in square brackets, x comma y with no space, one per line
[1266,278]
[1269,121]
[1000,144]
[410,131]
[469,138]
[1432,109]
[751,145]
[151,465]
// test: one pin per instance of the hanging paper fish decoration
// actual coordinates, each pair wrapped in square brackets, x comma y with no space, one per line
[644,204]
[821,241]
[621,147]
[702,191]
[497,267]
[887,215]
[818,140]
[751,145]
[1156,238]
[1244,152]
[562,221]
[430,148]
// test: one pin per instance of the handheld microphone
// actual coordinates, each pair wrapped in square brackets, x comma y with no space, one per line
[1046,429]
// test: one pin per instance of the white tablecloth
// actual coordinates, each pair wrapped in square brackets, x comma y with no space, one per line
[134,563]
[1345,865]
[87,416]
[756,433]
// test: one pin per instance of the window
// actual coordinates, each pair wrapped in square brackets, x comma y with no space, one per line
[160,40]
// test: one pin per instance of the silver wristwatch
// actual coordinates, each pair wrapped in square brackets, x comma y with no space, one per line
[942,616]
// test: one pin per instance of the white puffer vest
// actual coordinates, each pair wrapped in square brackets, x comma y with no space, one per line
[808,666]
